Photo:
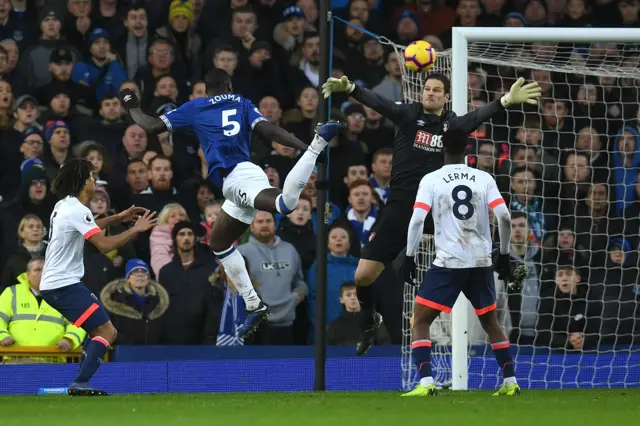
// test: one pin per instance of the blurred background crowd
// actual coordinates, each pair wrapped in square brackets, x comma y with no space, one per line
[569,168]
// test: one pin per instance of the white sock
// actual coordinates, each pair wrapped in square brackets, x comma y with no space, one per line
[296,180]
[508,381]
[426,381]
[236,270]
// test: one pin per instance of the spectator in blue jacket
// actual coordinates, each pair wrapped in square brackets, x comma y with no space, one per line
[341,267]
[103,71]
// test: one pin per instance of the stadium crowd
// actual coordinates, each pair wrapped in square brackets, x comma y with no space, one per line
[570,167]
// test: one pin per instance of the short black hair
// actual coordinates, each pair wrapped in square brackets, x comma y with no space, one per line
[441,78]
[522,170]
[218,80]
[136,5]
[519,215]
[244,9]
[135,160]
[71,178]
[108,96]
[381,151]
[455,141]
[346,286]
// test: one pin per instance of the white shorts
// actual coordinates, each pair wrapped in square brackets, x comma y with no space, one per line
[240,190]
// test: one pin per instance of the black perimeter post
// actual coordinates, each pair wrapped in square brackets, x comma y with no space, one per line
[322,210]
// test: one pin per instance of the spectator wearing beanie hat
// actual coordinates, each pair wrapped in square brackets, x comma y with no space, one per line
[194,312]
[185,40]
[136,305]
[102,71]
[33,198]
[57,154]
[32,143]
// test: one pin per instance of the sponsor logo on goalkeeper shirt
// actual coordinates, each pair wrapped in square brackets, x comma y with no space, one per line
[428,142]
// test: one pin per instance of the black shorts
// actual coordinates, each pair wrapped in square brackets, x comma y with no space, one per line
[389,235]
[78,305]
[441,287]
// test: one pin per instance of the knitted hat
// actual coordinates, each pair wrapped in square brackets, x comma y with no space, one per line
[28,132]
[179,227]
[100,191]
[181,8]
[134,265]
[292,12]
[30,162]
[52,126]
[97,34]
[515,15]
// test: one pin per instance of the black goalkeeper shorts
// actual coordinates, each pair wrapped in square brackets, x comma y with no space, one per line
[389,235]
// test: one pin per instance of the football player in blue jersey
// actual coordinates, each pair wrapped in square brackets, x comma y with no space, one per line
[223,123]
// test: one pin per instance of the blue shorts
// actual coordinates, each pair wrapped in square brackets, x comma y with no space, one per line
[78,305]
[441,287]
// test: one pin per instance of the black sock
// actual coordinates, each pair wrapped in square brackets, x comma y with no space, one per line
[365,296]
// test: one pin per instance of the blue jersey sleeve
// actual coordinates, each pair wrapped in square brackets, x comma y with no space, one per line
[252,114]
[180,117]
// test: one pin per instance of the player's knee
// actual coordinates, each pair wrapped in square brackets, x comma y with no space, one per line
[489,321]
[366,273]
[218,245]
[107,331]
[285,204]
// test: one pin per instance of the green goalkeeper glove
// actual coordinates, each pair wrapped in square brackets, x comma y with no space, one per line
[337,85]
[519,94]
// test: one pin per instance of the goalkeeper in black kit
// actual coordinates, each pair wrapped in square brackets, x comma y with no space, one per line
[417,150]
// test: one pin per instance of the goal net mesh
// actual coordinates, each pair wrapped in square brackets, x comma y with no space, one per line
[572,166]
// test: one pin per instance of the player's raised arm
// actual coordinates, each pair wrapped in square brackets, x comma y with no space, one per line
[386,107]
[519,93]
[151,125]
[106,243]
[272,132]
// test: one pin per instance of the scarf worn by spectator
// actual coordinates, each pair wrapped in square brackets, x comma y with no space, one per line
[625,176]
[536,218]
[363,229]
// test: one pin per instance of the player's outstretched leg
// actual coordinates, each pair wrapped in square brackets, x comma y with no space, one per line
[300,173]
[423,317]
[94,349]
[502,350]
[225,231]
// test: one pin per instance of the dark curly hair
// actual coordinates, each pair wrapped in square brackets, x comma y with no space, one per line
[71,178]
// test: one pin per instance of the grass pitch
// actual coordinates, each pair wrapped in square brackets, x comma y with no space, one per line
[539,408]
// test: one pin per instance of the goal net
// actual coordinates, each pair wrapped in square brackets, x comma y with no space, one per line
[572,166]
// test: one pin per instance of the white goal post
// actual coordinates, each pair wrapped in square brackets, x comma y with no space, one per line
[461,40]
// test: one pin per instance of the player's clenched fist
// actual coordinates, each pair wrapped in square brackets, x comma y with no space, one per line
[129,99]
[341,85]
[519,94]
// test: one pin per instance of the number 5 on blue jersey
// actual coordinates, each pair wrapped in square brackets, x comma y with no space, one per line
[223,124]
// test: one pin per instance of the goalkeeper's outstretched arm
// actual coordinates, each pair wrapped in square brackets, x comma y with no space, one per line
[383,106]
[519,93]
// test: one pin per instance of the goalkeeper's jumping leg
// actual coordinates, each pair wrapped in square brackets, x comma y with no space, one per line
[502,350]
[423,317]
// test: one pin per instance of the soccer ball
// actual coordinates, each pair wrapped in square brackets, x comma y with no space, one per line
[419,56]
